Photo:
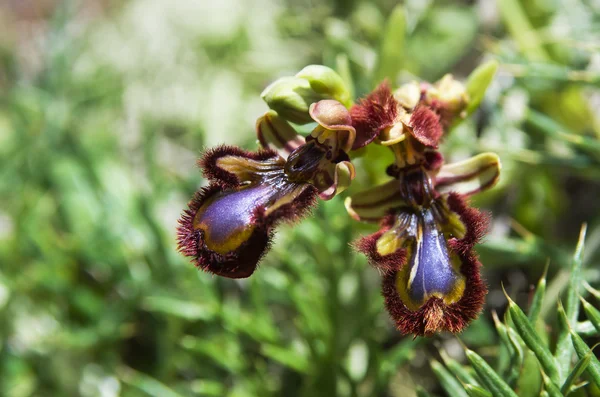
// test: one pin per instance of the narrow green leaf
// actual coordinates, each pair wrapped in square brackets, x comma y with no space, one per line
[530,381]
[557,73]
[397,356]
[180,308]
[551,388]
[448,382]
[458,370]
[521,30]
[554,130]
[538,298]
[532,339]
[581,348]
[287,357]
[506,355]
[493,382]
[592,314]
[578,386]
[564,347]
[586,329]
[343,68]
[476,391]
[591,290]
[519,357]
[581,366]
[145,383]
[391,52]
[478,82]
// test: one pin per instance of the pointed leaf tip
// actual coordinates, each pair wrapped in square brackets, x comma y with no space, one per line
[478,82]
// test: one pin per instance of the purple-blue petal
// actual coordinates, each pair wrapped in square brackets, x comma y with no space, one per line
[430,262]
[231,211]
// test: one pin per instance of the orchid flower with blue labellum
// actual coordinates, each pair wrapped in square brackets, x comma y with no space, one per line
[228,225]
[424,248]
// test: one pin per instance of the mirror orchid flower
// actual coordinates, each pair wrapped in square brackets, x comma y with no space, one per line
[229,224]
[424,248]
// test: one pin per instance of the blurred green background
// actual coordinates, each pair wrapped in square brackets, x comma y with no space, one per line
[105,106]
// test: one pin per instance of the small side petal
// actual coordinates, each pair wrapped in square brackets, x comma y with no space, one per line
[344,173]
[426,127]
[374,204]
[371,115]
[275,133]
[334,116]
[229,166]
[476,223]
[368,246]
[470,176]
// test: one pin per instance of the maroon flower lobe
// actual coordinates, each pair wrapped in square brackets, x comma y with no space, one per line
[426,127]
[372,114]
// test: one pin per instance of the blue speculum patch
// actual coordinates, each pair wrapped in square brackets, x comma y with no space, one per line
[431,272]
[229,213]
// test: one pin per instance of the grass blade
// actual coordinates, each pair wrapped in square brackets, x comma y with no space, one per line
[448,382]
[581,366]
[581,348]
[461,373]
[491,379]
[532,339]
[538,298]
[391,52]
[564,347]
[592,314]
[551,388]
[476,391]
[506,356]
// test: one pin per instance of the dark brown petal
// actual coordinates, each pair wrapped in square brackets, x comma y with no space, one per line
[426,127]
[375,112]
[476,222]
[368,246]
[243,165]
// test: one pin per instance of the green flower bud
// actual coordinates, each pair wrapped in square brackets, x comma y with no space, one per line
[327,83]
[291,97]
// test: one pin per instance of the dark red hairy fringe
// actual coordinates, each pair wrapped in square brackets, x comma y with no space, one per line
[244,260]
[435,315]
[236,264]
[295,211]
[214,173]
[372,114]
[426,126]
[368,246]
[476,222]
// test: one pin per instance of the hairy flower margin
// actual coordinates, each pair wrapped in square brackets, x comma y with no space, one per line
[424,247]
